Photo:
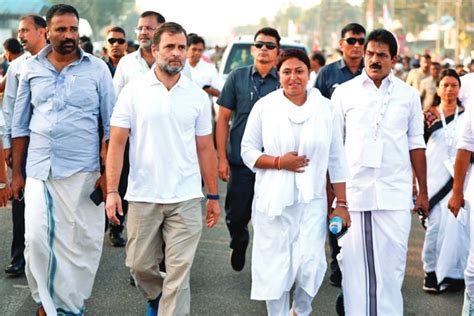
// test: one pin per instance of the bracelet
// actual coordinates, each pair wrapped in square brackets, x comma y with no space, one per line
[279,163]
[110,192]
[213,197]
[275,162]
[343,206]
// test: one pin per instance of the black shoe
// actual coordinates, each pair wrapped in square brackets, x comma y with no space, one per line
[237,257]
[15,269]
[340,304]
[430,284]
[335,278]
[132,281]
[453,285]
[117,240]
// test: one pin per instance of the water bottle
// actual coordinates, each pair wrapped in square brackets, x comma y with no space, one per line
[335,225]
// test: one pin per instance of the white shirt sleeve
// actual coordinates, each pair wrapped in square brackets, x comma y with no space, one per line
[204,120]
[466,136]
[252,141]
[415,124]
[337,166]
[122,114]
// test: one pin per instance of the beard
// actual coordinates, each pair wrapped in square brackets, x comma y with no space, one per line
[168,69]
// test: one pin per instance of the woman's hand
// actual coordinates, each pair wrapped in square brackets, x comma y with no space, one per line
[343,213]
[292,162]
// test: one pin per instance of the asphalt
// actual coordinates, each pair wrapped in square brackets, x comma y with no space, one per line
[215,288]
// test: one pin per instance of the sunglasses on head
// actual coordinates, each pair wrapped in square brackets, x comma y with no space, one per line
[352,40]
[113,40]
[269,45]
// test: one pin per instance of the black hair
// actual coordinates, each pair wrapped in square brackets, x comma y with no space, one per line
[117,29]
[13,46]
[37,20]
[269,31]
[354,28]
[293,53]
[88,47]
[60,9]
[194,39]
[169,27]
[159,18]
[426,56]
[385,37]
[319,57]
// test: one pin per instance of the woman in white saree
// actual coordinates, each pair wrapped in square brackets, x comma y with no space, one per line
[291,143]
[446,245]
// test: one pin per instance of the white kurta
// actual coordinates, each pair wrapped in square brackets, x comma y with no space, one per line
[289,209]
[446,245]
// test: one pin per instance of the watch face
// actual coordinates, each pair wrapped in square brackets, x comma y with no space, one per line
[2,185]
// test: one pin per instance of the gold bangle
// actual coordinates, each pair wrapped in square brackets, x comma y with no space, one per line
[110,192]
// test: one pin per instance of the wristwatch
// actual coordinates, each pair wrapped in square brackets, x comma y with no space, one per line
[2,185]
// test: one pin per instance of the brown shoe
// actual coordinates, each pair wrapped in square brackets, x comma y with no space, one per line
[40,311]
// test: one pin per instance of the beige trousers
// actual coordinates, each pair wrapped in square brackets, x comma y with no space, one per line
[179,226]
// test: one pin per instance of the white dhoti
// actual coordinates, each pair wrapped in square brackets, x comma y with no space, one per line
[289,249]
[372,261]
[64,232]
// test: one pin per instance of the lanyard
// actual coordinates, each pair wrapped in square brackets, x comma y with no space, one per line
[449,135]
[254,88]
[385,100]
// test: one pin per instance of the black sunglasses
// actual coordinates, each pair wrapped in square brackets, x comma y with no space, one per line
[269,45]
[352,40]
[112,41]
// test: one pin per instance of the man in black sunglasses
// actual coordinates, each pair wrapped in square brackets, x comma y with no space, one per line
[116,46]
[242,89]
[329,77]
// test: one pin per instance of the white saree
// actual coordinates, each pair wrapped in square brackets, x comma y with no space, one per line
[446,245]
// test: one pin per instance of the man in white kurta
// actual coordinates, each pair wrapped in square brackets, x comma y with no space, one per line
[383,128]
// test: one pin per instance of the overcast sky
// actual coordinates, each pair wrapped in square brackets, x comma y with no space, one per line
[211,18]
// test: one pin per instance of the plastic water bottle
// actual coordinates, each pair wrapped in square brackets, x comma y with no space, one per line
[335,225]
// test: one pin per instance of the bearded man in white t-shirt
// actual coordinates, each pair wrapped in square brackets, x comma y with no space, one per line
[168,120]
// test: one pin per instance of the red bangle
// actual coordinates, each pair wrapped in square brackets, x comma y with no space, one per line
[279,163]
[275,163]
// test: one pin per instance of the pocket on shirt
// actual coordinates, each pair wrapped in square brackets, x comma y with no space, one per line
[81,92]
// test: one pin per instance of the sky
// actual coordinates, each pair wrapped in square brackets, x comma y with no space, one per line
[215,18]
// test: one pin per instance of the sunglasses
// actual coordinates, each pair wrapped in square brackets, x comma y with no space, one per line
[352,40]
[269,45]
[112,41]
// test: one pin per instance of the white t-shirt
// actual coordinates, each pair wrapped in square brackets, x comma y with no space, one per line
[359,103]
[205,74]
[163,128]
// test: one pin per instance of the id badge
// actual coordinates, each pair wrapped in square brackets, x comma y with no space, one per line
[449,164]
[372,153]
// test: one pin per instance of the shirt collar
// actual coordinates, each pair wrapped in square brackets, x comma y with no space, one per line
[341,64]
[366,79]
[151,79]
[48,48]
[273,72]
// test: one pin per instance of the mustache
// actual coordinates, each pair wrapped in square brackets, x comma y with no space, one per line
[375,66]
[67,41]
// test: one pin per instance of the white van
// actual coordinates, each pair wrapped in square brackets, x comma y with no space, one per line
[237,54]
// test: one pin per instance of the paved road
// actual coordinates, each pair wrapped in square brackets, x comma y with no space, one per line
[216,290]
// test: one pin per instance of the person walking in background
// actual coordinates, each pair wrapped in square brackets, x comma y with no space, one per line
[242,89]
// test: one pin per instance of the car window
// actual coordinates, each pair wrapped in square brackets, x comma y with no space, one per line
[239,56]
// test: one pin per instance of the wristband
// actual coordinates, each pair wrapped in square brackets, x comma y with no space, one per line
[213,197]
[110,192]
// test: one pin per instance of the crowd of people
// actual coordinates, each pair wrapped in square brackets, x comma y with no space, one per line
[365,139]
